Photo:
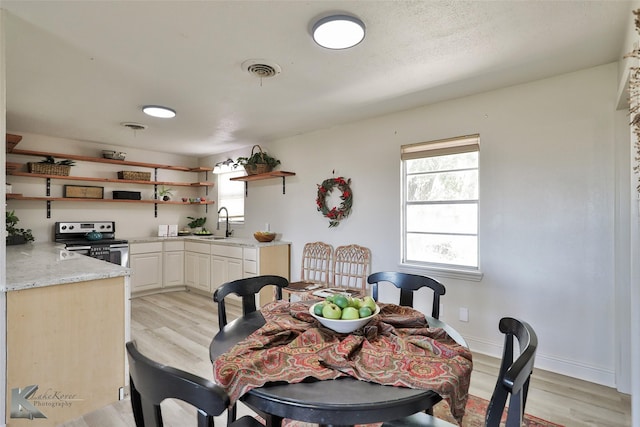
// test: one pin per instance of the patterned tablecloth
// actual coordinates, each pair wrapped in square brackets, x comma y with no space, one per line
[396,348]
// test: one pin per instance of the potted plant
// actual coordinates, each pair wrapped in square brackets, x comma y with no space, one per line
[197,223]
[15,235]
[49,166]
[165,193]
[258,162]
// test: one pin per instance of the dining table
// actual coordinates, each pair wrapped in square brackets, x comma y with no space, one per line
[336,400]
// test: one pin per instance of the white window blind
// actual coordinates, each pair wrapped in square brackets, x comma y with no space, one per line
[440,199]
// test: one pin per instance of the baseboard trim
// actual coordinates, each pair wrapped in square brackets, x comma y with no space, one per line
[570,368]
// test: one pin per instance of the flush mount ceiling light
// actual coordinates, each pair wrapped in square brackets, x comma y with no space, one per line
[159,111]
[338,31]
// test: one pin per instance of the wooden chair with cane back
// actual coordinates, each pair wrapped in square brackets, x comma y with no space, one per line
[314,271]
[351,264]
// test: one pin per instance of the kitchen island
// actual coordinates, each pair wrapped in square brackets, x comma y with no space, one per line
[67,322]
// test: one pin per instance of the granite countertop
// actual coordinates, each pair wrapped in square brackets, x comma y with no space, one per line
[35,265]
[230,241]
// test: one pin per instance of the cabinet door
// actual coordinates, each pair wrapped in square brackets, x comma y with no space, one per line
[173,273]
[190,269]
[219,272]
[234,269]
[203,271]
[146,271]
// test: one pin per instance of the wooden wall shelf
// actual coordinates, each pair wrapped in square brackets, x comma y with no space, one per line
[111,161]
[111,180]
[262,176]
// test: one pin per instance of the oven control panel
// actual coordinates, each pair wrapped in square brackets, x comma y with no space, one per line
[84,227]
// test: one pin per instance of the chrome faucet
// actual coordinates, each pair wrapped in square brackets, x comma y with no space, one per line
[228,232]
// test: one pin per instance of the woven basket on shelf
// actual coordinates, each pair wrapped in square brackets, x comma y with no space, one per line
[134,176]
[258,168]
[49,169]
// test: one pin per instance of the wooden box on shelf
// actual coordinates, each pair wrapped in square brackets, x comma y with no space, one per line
[134,175]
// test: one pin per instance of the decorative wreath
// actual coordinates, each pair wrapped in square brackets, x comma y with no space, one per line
[335,214]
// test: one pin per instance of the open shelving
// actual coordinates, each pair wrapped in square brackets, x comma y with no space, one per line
[14,169]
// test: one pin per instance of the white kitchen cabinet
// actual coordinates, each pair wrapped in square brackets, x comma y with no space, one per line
[226,264]
[145,260]
[173,264]
[197,265]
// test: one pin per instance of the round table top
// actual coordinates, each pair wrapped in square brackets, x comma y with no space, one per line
[343,401]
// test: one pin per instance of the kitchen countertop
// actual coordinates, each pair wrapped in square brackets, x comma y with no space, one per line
[35,265]
[231,241]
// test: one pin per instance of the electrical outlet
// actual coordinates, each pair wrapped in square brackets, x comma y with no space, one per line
[464,314]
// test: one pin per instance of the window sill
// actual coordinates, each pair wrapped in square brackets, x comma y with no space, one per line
[450,273]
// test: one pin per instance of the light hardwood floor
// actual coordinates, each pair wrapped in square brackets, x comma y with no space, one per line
[176,329]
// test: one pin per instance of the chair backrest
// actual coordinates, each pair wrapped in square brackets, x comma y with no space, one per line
[514,376]
[151,383]
[351,267]
[408,283]
[316,260]
[246,289]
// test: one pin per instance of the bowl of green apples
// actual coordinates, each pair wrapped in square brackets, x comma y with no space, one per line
[344,314]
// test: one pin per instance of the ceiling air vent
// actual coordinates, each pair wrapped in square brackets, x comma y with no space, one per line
[261,68]
[134,126]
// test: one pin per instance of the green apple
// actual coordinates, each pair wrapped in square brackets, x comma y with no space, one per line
[350,313]
[341,301]
[331,311]
[365,312]
[369,302]
[355,302]
[317,309]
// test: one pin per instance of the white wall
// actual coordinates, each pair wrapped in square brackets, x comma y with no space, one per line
[132,220]
[547,209]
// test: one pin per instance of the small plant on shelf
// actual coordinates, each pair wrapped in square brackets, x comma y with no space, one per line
[15,235]
[165,193]
[52,161]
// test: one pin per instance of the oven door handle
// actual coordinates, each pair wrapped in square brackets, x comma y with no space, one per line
[78,248]
[119,245]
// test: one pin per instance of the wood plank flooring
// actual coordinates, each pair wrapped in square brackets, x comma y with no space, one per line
[176,329]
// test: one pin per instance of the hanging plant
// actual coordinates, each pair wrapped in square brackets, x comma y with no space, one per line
[336,213]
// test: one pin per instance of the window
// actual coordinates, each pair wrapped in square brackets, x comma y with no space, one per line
[231,195]
[440,203]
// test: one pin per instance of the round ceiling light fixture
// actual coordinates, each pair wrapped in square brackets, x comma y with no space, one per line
[159,111]
[338,31]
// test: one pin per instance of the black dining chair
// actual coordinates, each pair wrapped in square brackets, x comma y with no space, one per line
[247,289]
[151,383]
[512,383]
[408,283]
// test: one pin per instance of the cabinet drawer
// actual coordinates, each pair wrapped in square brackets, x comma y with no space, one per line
[145,248]
[201,248]
[227,251]
[250,267]
[251,254]
[174,246]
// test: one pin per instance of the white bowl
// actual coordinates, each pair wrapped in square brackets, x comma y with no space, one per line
[340,325]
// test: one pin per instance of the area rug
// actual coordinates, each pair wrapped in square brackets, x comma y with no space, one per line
[475,411]
[473,417]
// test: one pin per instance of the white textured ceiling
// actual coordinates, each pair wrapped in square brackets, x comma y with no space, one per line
[77,69]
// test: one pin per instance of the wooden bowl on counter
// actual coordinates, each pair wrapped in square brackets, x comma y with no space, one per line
[264,236]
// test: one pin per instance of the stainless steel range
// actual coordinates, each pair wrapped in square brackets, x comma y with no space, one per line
[95,239]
